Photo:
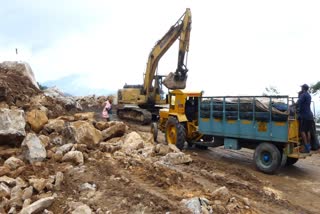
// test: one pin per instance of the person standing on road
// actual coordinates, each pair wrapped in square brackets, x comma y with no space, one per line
[107,109]
[306,117]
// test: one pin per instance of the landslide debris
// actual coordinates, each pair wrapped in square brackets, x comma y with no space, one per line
[61,159]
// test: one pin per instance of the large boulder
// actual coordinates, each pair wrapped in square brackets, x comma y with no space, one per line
[102,125]
[33,149]
[38,206]
[133,141]
[12,126]
[51,106]
[38,183]
[4,190]
[21,69]
[16,197]
[37,119]
[197,205]
[13,163]
[83,132]
[54,125]
[18,82]
[116,129]
[74,156]
[92,102]
[69,102]
[4,170]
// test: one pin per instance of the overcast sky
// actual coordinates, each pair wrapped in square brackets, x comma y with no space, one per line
[236,47]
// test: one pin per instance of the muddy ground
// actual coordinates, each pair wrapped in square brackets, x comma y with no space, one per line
[294,189]
[138,185]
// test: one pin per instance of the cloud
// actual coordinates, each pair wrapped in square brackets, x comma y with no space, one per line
[236,47]
[37,23]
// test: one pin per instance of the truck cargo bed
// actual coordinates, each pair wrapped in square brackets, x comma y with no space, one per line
[265,118]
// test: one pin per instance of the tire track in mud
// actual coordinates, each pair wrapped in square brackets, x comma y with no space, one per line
[120,190]
[174,184]
[242,183]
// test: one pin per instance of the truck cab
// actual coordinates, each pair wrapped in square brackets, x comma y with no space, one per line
[267,124]
[179,121]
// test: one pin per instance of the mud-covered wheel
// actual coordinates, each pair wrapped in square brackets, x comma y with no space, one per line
[154,131]
[291,161]
[175,133]
[267,158]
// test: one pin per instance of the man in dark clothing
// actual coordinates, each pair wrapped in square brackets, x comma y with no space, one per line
[305,116]
[190,109]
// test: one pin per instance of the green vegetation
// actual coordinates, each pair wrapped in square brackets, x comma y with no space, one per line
[315,88]
[317,117]
[271,90]
[42,87]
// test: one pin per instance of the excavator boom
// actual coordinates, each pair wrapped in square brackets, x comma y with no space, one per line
[175,80]
[150,94]
[178,79]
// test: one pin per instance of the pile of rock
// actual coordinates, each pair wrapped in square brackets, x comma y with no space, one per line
[63,139]
[42,143]
[19,89]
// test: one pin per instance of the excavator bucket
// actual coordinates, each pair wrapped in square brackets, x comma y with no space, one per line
[172,82]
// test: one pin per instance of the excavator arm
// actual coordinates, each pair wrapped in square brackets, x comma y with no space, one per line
[148,97]
[181,72]
[175,80]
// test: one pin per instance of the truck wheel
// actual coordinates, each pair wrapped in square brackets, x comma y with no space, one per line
[154,131]
[267,158]
[291,161]
[175,133]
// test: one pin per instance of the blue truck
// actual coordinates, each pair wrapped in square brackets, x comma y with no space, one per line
[267,124]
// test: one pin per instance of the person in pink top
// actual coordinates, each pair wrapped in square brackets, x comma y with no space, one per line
[107,109]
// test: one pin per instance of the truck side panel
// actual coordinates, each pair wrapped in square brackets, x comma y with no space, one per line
[255,130]
[235,120]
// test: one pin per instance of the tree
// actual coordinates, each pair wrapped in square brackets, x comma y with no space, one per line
[271,90]
[315,88]
[318,117]
[42,87]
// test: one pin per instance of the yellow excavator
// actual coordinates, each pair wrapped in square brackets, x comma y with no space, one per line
[141,103]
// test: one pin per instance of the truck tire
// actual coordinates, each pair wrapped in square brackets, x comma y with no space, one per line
[267,158]
[291,161]
[175,133]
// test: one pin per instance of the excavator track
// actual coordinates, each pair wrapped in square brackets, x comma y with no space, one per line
[135,114]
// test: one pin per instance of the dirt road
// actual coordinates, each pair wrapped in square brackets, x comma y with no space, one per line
[294,189]
[297,187]
[139,184]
